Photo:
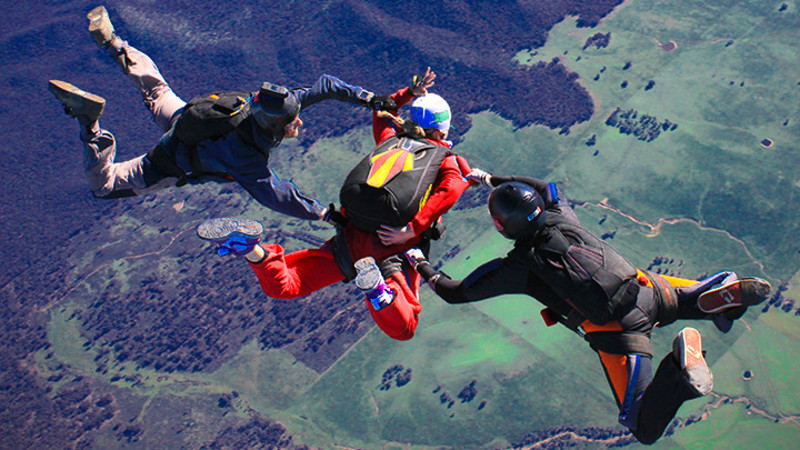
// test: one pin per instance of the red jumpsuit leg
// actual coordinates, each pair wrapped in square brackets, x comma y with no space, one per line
[296,274]
[399,320]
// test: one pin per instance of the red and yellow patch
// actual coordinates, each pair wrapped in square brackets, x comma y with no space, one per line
[387,165]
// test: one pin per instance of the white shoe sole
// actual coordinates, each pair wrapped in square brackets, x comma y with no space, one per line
[222,228]
[688,349]
[368,274]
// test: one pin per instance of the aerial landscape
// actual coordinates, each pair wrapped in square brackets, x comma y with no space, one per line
[671,125]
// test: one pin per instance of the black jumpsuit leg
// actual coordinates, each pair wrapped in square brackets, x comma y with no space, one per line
[661,401]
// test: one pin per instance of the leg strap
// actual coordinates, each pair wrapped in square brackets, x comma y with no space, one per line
[620,342]
[666,299]
[341,254]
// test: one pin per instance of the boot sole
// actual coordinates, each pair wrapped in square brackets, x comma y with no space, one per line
[223,228]
[688,349]
[100,26]
[743,292]
[368,274]
[77,101]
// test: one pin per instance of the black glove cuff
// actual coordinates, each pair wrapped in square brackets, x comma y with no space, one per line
[382,103]
[425,269]
[334,217]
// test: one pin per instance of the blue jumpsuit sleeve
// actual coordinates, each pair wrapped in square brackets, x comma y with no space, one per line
[328,87]
[249,166]
[278,195]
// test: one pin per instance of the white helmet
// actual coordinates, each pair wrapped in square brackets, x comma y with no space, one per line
[431,111]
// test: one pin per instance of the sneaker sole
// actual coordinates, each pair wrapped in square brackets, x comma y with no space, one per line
[223,228]
[368,274]
[688,349]
[77,101]
[743,292]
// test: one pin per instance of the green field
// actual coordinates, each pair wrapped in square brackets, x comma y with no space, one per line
[727,202]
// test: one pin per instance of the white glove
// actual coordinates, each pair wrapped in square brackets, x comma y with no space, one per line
[415,257]
[481,176]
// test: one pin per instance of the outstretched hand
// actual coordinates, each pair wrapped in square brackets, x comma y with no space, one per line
[480,176]
[395,235]
[421,83]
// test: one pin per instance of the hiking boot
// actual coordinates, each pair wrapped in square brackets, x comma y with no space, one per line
[100,26]
[370,281]
[687,348]
[743,292]
[236,236]
[84,106]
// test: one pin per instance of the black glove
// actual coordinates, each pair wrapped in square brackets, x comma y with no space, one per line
[334,217]
[416,81]
[382,103]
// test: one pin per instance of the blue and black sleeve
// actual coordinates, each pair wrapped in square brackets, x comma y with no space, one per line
[329,87]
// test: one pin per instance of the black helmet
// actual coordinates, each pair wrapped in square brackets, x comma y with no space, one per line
[517,209]
[276,107]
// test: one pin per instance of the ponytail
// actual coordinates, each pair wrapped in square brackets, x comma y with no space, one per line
[410,128]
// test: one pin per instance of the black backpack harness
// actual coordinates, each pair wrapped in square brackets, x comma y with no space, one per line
[391,184]
[596,267]
[388,187]
[208,117]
